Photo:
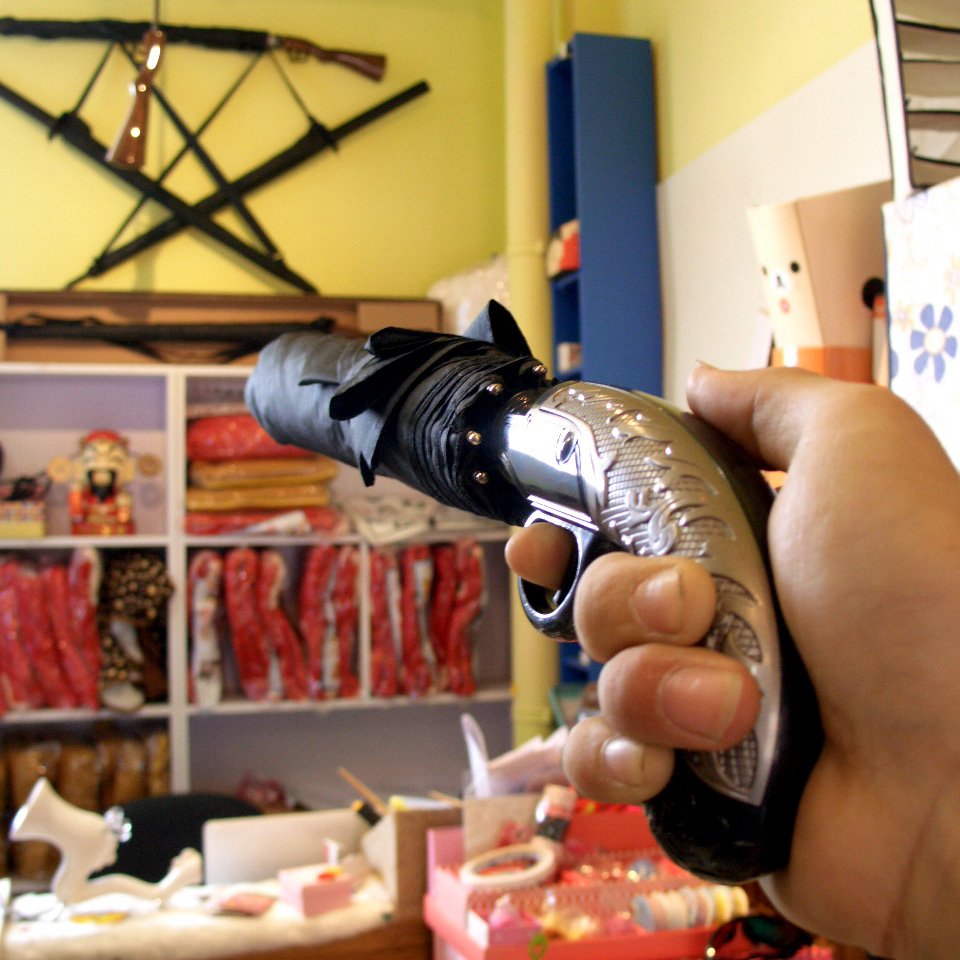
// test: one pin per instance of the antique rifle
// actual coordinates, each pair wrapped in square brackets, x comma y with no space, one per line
[371,65]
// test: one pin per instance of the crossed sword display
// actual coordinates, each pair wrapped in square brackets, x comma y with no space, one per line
[199,215]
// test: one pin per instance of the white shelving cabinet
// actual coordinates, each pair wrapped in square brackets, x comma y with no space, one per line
[399,744]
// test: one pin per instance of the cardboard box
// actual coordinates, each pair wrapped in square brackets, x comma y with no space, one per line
[21,519]
[815,255]
[396,846]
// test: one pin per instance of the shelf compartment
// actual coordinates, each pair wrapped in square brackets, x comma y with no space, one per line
[45,412]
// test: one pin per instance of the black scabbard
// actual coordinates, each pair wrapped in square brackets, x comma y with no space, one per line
[316,140]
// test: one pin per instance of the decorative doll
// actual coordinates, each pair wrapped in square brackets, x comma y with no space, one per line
[100,473]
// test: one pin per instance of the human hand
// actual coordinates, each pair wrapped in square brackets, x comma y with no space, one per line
[865,548]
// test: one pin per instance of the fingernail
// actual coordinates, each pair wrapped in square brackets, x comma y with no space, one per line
[656,601]
[624,761]
[701,701]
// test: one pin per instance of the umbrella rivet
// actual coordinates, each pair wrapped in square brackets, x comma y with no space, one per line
[494,389]
[481,477]
[474,438]
[540,369]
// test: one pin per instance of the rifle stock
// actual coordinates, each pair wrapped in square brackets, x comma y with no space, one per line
[370,65]
[129,149]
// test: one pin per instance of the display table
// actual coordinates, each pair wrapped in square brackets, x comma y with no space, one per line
[186,930]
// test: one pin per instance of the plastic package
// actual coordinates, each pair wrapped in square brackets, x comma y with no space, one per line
[202,523]
[467,604]
[127,774]
[280,632]
[136,588]
[441,609]
[384,623]
[157,745]
[346,616]
[249,640]
[234,437]
[259,498]
[316,620]
[84,576]
[27,762]
[204,578]
[21,691]
[465,294]
[78,775]
[77,671]
[36,637]
[417,576]
[271,471]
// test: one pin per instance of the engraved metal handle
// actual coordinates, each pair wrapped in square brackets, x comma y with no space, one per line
[626,471]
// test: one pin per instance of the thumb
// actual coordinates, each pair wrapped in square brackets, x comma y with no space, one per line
[767,412]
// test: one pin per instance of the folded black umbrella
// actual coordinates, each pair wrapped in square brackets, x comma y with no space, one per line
[473,422]
[415,406]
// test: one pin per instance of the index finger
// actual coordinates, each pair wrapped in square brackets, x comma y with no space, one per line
[540,554]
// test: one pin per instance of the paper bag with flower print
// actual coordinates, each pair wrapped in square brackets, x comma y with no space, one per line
[923,300]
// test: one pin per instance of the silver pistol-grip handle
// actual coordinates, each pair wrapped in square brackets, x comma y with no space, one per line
[623,470]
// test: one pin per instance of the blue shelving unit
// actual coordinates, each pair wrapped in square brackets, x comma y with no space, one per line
[603,171]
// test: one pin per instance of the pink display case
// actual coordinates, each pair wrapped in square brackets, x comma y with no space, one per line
[458,914]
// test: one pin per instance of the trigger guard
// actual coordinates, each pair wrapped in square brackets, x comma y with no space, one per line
[551,611]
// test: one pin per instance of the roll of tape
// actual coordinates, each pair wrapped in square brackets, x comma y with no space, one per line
[513,867]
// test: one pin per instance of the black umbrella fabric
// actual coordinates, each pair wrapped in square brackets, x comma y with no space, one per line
[420,407]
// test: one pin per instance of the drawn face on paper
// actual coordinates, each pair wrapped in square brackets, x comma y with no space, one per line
[788,287]
[786,276]
[782,285]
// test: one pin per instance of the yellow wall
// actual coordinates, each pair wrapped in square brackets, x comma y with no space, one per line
[414,197]
[721,63]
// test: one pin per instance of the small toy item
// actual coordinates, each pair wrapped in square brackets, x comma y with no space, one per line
[512,868]
[88,842]
[511,925]
[315,889]
[555,811]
